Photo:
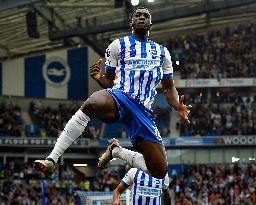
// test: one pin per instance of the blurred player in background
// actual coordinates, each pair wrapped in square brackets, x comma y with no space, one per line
[145,189]
[134,68]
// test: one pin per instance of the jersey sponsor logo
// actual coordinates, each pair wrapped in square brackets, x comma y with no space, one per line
[56,71]
[143,64]
[149,191]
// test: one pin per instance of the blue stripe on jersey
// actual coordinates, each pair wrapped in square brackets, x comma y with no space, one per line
[142,182]
[147,200]
[153,51]
[132,46]
[153,93]
[122,43]
[143,49]
[157,186]
[169,75]
[150,181]
[141,79]
[162,55]
[158,78]
[142,179]
[154,201]
[135,186]
[147,89]
[131,75]
[140,200]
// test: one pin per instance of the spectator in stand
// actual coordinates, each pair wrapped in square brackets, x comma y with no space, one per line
[216,185]
[213,184]
[51,121]
[218,54]
[10,120]
[234,116]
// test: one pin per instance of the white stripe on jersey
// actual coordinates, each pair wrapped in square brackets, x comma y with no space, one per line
[145,189]
[139,67]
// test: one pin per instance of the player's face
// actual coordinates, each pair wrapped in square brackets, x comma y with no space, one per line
[141,20]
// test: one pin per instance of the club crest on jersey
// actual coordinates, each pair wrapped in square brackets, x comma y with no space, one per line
[56,71]
[153,53]
[107,53]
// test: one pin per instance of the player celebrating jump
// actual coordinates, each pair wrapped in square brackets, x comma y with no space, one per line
[134,67]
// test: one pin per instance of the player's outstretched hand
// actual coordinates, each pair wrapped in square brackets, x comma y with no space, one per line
[95,70]
[184,110]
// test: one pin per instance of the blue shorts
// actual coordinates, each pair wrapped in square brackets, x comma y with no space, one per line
[138,119]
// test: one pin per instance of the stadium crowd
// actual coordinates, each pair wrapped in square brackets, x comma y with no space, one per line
[10,119]
[234,116]
[218,54]
[162,116]
[216,185]
[225,114]
[212,184]
[49,121]
[20,185]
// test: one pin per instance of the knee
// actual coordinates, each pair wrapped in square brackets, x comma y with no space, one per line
[98,104]
[89,107]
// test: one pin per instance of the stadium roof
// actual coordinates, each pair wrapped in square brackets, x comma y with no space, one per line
[97,22]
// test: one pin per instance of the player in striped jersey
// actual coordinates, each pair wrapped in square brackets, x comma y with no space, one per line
[145,189]
[134,68]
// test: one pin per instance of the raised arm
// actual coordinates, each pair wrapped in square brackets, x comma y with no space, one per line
[106,80]
[170,91]
[111,64]
[173,99]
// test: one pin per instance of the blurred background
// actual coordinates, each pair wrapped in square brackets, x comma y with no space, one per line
[46,48]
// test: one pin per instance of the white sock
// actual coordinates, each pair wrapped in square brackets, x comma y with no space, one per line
[134,159]
[73,129]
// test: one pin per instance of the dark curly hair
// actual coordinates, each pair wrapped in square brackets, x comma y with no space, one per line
[131,15]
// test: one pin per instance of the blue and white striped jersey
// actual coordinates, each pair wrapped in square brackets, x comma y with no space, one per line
[139,67]
[145,189]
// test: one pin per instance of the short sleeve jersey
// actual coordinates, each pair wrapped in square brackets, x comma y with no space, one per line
[139,67]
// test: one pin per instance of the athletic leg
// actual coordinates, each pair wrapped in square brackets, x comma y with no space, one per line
[134,159]
[114,150]
[154,163]
[100,104]
[155,157]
